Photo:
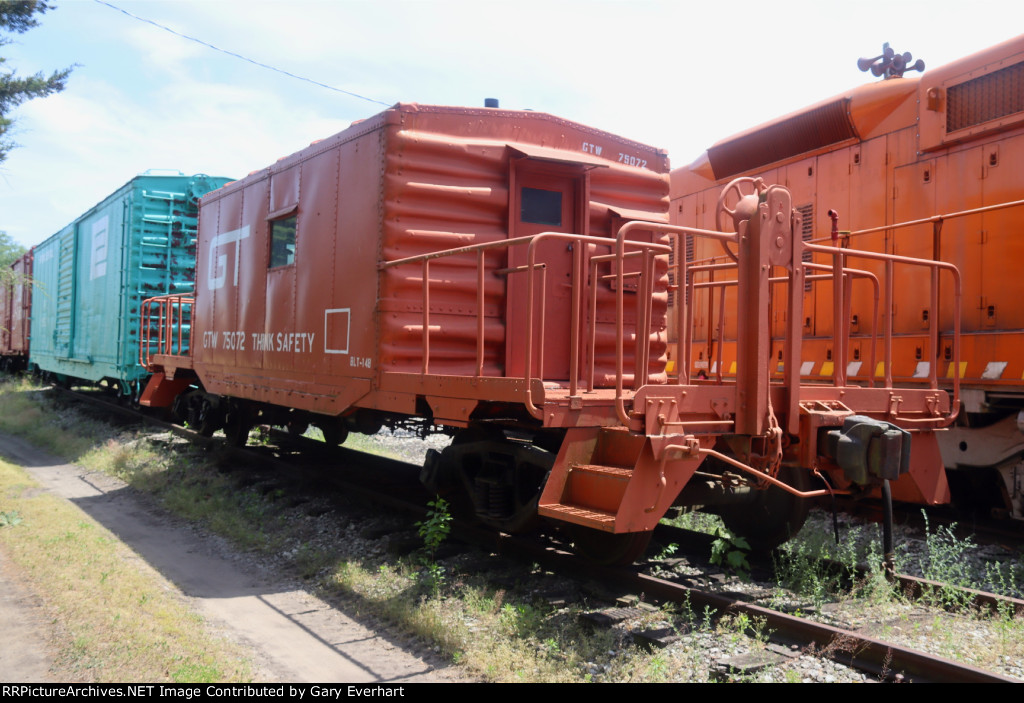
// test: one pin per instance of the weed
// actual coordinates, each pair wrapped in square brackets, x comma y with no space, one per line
[731,550]
[1004,577]
[657,668]
[737,626]
[696,521]
[10,518]
[944,560]
[520,619]
[667,551]
[196,673]
[434,530]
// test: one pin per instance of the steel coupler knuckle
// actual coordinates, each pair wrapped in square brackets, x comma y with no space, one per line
[868,449]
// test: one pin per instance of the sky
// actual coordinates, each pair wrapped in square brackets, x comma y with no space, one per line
[676,75]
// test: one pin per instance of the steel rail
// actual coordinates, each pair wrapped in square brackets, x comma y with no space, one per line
[878,657]
[881,658]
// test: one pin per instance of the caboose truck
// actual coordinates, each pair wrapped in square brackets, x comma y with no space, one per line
[501,276]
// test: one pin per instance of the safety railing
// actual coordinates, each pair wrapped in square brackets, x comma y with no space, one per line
[849,274]
[841,297]
[583,277]
[165,327]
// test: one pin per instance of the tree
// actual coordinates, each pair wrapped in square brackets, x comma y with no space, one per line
[19,16]
[10,250]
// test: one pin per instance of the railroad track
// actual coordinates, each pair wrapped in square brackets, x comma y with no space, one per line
[885,660]
[698,545]
[879,658]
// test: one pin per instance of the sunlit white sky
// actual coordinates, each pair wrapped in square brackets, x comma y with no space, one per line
[676,75]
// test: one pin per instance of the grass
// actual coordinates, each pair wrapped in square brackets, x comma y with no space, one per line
[696,521]
[118,622]
[496,634]
[949,627]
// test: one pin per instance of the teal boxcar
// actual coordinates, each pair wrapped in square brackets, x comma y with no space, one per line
[92,276]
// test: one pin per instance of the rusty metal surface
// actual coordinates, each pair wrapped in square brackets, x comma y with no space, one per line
[411,181]
[883,177]
[909,178]
[16,308]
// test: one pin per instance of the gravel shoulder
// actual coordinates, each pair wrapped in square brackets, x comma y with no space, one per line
[294,636]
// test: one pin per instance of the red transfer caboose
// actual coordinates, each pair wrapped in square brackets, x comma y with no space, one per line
[15,313]
[472,271]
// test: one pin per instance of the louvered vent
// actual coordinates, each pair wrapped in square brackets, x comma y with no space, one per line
[799,134]
[806,234]
[985,98]
[689,258]
[672,276]
[672,269]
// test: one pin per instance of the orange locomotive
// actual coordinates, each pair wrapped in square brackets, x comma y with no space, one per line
[505,277]
[921,165]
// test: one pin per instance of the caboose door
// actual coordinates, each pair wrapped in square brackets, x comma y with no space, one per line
[545,198]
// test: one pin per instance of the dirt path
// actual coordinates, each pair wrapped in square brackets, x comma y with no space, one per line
[296,636]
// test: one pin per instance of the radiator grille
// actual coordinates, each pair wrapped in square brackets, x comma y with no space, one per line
[985,98]
[806,234]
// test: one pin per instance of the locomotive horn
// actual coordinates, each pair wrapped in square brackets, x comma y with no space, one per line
[865,64]
[877,69]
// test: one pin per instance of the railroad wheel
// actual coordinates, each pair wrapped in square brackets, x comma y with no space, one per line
[296,428]
[608,548]
[240,419]
[502,477]
[774,515]
[335,433]
[200,412]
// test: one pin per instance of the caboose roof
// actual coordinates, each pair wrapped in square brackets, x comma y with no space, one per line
[536,134]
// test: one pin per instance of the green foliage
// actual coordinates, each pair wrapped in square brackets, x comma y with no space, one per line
[9,518]
[19,16]
[192,672]
[695,520]
[943,560]
[521,620]
[10,251]
[730,551]
[801,566]
[658,668]
[668,551]
[434,530]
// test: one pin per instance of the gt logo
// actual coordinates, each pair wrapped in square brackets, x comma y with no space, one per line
[219,264]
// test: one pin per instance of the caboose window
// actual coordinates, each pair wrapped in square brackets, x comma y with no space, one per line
[541,207]
[282,242]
